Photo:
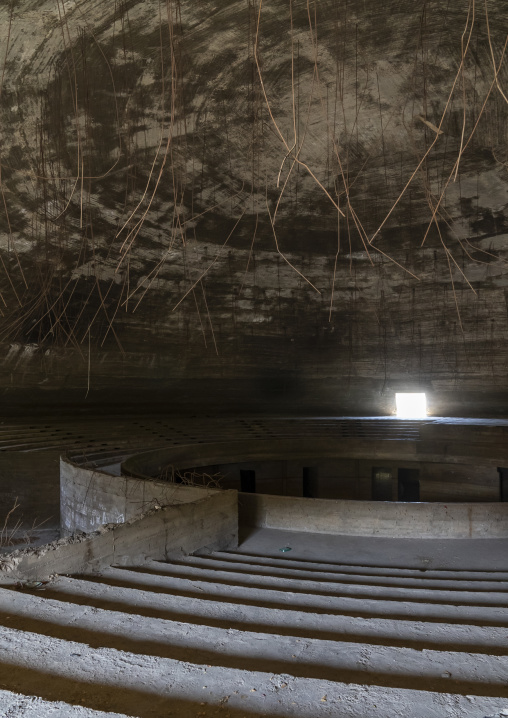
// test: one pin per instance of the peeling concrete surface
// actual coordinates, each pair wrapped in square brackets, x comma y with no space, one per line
[91,498]
[99,109]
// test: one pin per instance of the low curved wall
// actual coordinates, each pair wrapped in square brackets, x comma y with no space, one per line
[91,498]
[209,523]
[374,518]
[358,518]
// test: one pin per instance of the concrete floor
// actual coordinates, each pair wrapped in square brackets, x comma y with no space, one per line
[455,554]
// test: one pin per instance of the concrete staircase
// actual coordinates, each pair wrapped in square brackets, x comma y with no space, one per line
[236,634]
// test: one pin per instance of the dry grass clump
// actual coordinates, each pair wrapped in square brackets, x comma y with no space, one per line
[10,532]
[191,477]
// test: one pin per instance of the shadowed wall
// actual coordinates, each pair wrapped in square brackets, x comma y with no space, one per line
[292,203]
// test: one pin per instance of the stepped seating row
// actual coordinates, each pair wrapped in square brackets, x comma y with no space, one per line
[238,634]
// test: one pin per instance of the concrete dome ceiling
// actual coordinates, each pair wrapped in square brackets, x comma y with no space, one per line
[229,190]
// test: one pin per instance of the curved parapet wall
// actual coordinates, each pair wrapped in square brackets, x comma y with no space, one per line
[390,519]
[90,498]
[209,523]
[358,518]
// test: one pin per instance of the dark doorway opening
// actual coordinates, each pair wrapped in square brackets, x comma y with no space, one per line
[408,485]
[310,482]
[503,483]
[381,484]
[248,481]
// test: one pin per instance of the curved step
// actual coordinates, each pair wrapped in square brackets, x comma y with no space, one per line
[286,560]
[309,602]
[218,564]
[16,705]
[328,588]
[442,671]
[407,633]
[118,681]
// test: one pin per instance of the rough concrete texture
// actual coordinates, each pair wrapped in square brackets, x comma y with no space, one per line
[232,641]
[16,705]
[92,498]
[173,179]
[164,531]
[375,518]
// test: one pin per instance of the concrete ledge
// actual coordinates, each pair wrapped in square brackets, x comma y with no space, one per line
[210,523]
[375,518]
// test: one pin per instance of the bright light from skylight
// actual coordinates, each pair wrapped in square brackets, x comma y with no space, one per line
[411,406]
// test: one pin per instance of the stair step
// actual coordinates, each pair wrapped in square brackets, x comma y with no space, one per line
[409,633]
[238,578]
[354,569]
[216,563]
[155,582]
[15,705]
[369,664]
[114,680]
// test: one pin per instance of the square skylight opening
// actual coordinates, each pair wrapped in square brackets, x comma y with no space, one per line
[411,406]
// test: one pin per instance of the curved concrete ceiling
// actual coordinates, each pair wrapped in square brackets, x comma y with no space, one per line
[247,188]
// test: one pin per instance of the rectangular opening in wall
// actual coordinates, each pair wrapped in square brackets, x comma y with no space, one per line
[247,481]
[411,406]
[503,483]
[408,485]
[381,484]
[310,482]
